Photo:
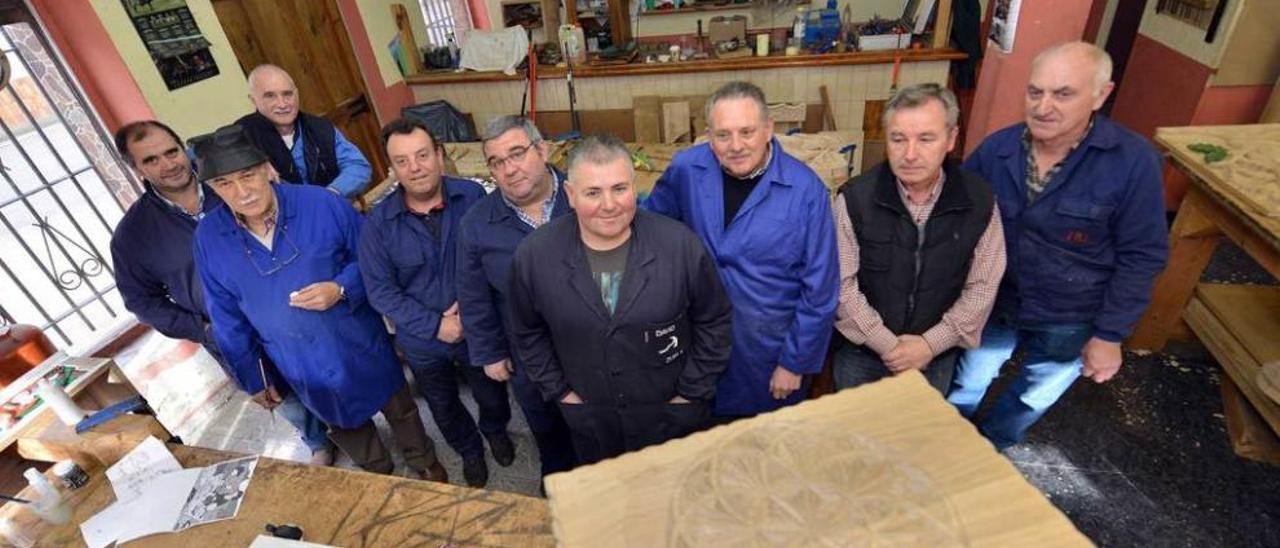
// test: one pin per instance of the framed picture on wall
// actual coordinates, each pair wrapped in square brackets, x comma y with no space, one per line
[177,47]
[1004,23]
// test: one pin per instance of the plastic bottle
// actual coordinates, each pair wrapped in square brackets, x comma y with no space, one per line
[48,506]
[797,27]
[454,57]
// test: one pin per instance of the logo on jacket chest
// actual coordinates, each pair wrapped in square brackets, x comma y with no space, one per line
[1076,237]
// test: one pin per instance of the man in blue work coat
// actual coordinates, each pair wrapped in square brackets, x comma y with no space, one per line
[633,346]
[151,252]
[278,264]
[766,218]
[1081,199]
[408,253]
[529,195]
[303,149]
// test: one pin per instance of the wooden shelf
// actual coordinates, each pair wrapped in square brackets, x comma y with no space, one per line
[1238,323]
[697,9]
[711,65]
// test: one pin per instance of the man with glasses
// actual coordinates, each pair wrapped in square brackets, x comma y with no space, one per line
[529,195]
[151,250]
[766,218]
[408,256]
[278,264]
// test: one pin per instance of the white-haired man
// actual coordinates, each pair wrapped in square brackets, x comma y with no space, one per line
[1081,202]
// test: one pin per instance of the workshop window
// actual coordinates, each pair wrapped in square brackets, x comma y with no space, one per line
[62,191]
[445,17]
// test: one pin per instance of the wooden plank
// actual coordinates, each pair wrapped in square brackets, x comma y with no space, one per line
[1193,240]
[675,122]
[1251,313]
[647,111]
[942,25]
[860,467]
[407,43]
[334,506]
[105,444]
[828,110]
[871,113]
[1236,359]
[1251,438]
[619,122]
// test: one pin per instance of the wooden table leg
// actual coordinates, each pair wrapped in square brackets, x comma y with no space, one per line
[1192,241]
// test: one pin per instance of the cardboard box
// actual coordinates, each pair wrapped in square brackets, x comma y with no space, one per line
[725,29]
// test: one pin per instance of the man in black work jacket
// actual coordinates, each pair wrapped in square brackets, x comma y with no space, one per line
[633,346]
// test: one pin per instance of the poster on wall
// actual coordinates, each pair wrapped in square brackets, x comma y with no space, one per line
[178,49]
[1004,24]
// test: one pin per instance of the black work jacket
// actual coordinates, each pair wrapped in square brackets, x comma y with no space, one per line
[670,333]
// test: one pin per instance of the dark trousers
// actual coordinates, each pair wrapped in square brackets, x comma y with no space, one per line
[602,431]
[550,432]
[436,378]
[364,446]
[855,365]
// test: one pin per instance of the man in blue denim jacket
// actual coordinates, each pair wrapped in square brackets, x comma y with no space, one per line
[1082,204]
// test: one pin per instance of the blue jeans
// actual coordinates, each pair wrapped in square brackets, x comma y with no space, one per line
[314,431]
[856,365]
[1051,362]
[436,378]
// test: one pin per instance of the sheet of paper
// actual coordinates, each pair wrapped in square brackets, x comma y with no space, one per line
[217,493]
[154,510]
[144,463]
[264,541]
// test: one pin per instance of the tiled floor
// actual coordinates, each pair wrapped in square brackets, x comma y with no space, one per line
[1141,461]
[242,426]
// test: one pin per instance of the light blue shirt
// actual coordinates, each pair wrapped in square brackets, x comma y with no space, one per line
[353,168]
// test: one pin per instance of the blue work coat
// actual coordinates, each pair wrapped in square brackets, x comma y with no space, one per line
[779,265]
[487,238]
[408,273]
[1089,248]
[339,361]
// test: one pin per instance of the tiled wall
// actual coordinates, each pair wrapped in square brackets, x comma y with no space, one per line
[848,86]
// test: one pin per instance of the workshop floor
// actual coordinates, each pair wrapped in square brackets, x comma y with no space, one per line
[1141,461]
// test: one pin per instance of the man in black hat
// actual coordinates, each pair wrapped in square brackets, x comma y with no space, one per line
[281,281]
[151,252]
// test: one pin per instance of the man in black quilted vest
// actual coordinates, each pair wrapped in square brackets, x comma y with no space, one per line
[303,149]
[921,250]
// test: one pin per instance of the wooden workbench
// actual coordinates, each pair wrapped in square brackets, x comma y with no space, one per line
[1238,198]
[333,506]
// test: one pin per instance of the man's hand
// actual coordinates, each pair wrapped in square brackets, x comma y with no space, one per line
[319,296]
[912,352]
[1102,359]
[571,398]
[679,399]
[450,330]
[268,398]
[783,383]
[499,371]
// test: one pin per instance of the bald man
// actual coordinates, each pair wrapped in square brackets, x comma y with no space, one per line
[303,149]
[1082,204]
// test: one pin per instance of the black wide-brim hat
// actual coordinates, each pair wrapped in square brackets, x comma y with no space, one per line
[227,150]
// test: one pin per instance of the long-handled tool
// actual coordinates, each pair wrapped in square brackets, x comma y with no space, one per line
[573,96]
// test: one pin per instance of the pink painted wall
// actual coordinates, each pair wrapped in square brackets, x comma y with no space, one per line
[75,29]
[1002,82]
[387,100]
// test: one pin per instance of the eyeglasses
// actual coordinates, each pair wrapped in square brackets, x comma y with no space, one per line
[271,262]
[517,155]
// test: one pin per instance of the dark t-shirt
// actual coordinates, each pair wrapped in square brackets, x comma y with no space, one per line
[735,194]
[606,269]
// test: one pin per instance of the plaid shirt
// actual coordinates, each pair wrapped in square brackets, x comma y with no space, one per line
[1035,183]
[548,205]
[961,325]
